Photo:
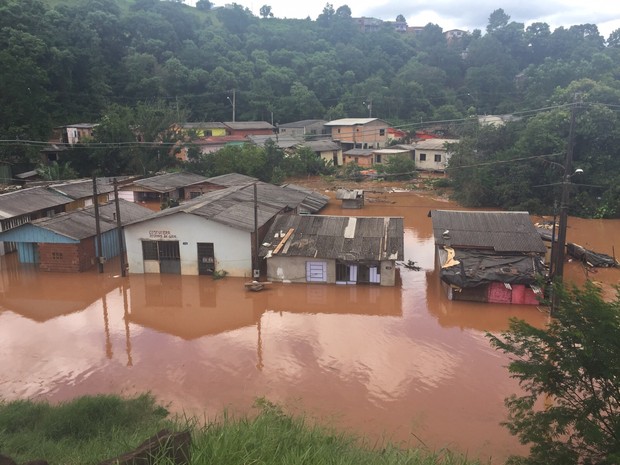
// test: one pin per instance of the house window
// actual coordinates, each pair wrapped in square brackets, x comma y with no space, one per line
[193,195]
[437,158]
[378,158]
[316,272]
[56,255]
[382,132]
[422,157]
[149,250]
[338,130]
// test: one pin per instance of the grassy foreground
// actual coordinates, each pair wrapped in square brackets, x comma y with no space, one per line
[91,429]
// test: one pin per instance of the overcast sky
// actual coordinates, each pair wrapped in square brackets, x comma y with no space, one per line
[452,14]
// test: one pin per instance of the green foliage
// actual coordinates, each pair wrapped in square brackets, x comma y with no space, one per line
[86,430]
[154,62]
[56,171]
[397,167]
[351,171]
[569,371]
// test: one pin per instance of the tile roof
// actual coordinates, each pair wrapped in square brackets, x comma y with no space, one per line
[500,231]
[336,237]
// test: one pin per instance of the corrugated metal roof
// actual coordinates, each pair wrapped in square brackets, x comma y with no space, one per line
[302,123]
[283,142]
[500,231]
[203,125]
[231,179]
[169,182]
[359,152]
[82,188]
[234,206]
[322,145]
[434,144]
[25,201]
[80,224]
[346,194]
[337,237]
[241,125]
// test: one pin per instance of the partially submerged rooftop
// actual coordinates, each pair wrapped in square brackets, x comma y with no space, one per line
[497,230]
[335,237]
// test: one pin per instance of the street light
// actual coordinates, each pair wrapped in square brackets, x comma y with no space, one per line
[233,102]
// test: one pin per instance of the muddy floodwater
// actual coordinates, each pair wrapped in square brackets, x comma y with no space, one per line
[400,363]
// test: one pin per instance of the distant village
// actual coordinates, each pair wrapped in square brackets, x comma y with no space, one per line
[233,224]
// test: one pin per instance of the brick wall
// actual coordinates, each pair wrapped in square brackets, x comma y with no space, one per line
[67,258]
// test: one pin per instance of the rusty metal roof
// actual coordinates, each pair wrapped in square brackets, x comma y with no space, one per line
[499,231]
[169,182]
[337,237]
[33,199]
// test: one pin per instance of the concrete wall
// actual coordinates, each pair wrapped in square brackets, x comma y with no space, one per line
[293,269]
[388,273]
[232,247]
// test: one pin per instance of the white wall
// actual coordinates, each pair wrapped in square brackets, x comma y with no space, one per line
[232,247]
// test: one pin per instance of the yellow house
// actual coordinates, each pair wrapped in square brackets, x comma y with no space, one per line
[359,133]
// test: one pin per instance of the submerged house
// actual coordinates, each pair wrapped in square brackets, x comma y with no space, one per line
[67,241]
[333,249]
[351,198]
[214,232]
[494,257]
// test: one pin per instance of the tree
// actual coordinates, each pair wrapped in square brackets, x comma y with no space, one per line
[204,5]
[401,19]
[343,12]
[265,11]
[570,372]
[328,13]
[398,167]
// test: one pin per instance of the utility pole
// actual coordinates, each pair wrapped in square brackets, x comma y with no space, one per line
[255,269]
[558,267]
[119,228]
[233,102]
[97,226]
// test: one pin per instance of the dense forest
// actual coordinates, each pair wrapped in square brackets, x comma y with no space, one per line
[130,64]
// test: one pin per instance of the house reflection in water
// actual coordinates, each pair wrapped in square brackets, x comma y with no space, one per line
[195,306]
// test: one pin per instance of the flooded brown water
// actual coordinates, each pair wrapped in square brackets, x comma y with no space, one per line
[400,363]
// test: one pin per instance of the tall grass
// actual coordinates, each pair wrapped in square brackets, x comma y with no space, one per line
[274,438]
[86,430]
[92,429]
